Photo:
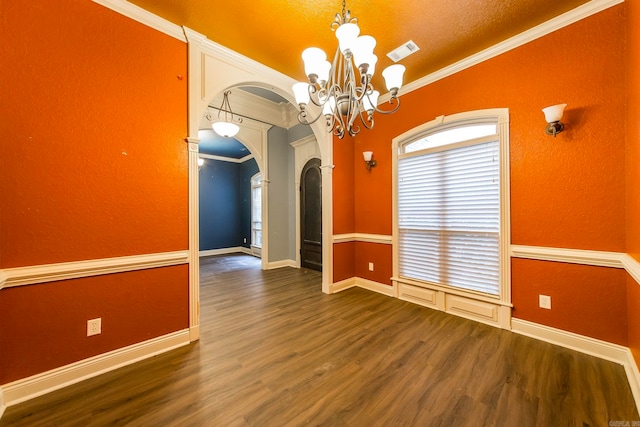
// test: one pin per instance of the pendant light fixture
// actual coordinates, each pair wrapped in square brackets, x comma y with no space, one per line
[343,89]
[225,127]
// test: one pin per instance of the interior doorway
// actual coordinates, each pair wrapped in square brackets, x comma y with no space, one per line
[311,216]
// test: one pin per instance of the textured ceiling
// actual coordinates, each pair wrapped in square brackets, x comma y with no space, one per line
[275,32]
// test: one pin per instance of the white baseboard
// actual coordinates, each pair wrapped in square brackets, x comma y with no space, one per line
[633,375]
[194,333]
[594,347]
[279,264]
[378,287]
[225,251]
[39,384]
[370,285]
[2,405]
[342,285]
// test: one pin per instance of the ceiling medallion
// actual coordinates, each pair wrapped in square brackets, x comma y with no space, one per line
[334,87]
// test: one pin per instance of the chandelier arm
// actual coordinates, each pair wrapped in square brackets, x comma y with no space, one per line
[302,117]
[369,119]
[354,130]
[365,88]
[339,124]
[313,90]
[393,110]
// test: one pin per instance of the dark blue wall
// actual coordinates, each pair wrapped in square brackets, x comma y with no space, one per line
[225,207]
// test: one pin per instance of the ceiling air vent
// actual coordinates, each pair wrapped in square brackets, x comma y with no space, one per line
[403,51]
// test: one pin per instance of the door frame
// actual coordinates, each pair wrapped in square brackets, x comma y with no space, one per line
[305,149]
[212,69]
[299,206]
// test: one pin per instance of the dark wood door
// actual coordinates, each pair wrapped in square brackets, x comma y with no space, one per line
[311,216]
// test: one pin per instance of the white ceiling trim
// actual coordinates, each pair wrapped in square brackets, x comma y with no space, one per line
[145,17]
[581,12]
[225,159]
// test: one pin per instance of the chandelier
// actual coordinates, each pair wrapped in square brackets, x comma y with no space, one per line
[341,95]
[225,127]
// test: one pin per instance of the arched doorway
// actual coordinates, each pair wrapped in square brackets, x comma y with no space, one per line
[311,216]
[213,69]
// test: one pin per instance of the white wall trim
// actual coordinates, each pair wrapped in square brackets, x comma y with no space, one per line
[581,12]
[144,17]
[3,279]
[632,266]
[39,384]
[225,159]
[579,256]
[279,264]
[594,347]
[224,251]
[19,276]
[572,256]
[363,237]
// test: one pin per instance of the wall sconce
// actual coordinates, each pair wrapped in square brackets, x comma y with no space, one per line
[200,162]
[367,159]
[553,115]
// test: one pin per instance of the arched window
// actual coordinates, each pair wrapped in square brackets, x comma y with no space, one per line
[451,215]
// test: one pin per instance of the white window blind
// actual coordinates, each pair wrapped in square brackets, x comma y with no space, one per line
[449,215]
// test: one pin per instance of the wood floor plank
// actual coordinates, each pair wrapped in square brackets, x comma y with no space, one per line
[276,351]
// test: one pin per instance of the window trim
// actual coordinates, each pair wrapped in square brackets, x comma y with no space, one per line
[256,182]
[501,117]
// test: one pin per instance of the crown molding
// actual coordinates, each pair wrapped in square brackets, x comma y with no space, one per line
[225,159]
[144,17]
[581,12]
[309,139]
[20,276]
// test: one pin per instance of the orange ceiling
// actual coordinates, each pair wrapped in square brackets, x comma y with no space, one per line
[275,32]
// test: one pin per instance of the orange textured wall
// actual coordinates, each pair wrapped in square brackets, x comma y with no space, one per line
[93,161]
[378,254]
[343,190]
[595,297]
[633,308]
[566,192]
[343,261]
[633,170]
[373,212]
[45,326]
[93,164]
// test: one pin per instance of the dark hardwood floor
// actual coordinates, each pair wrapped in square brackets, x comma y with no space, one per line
[276,351]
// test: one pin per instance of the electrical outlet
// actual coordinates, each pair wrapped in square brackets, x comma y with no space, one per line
[244,240]
[370,266]
[94,326]
[545,301]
